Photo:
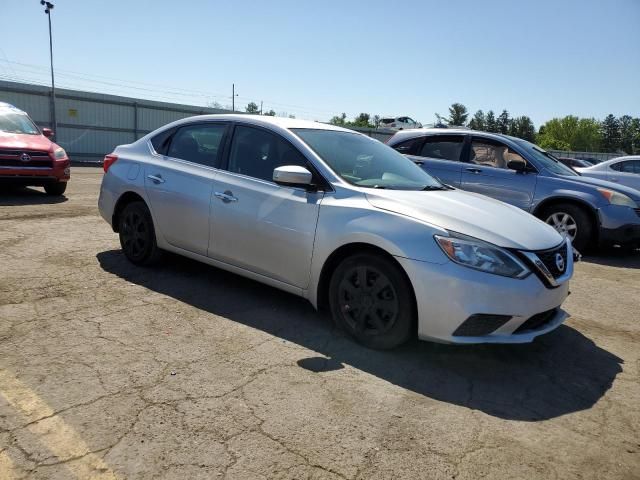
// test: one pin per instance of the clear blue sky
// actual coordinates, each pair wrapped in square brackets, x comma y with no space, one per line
[542,58]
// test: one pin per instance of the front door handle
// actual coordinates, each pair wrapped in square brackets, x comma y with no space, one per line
[226,196]
[473,170]
[157,179]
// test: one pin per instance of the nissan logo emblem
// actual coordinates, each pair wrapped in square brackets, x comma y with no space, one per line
[559,262]
[25,157]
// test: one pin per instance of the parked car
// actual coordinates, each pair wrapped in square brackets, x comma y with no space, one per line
[28,156]
[340,219]
[574,162]
[588,210]
[622,170]
[398,123]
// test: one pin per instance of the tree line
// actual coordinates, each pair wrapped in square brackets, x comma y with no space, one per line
[611,135]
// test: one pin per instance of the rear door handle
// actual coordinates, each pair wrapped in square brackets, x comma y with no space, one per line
[473,170]
[156,178]
[226,196]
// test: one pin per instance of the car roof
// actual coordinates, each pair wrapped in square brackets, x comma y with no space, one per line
[8,106]
[286,123]
[418,132]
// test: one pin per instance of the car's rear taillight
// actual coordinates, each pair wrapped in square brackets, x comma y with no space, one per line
[108,161]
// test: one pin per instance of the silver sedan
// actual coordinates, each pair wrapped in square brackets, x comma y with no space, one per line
[342,220]
[622,170]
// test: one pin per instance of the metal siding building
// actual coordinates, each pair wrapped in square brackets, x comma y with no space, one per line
[90,124]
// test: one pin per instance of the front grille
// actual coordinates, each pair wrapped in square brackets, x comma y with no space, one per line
[537,321]
[13,159]
[549,259]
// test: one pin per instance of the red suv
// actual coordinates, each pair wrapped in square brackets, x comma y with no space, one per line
[27,156]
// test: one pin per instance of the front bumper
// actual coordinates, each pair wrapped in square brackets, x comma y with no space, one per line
[619,225]
[59,172]
[448,295]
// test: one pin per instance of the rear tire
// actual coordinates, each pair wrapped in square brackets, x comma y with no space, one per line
[371,298]
[578,221]
[137,234]
[55,189]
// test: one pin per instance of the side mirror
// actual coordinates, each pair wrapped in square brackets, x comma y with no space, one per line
[517,165]
[47,132]
[292,176]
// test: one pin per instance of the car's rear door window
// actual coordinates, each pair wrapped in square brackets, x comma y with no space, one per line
[199,143]
[256,152]
[445,147]
[408,146]
[630,166]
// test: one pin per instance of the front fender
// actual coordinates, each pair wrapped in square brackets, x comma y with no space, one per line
[342,223]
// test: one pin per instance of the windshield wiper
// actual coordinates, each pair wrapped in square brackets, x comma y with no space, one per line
[429,188]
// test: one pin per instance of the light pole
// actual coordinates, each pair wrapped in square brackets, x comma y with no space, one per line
[233,97]
[48,7]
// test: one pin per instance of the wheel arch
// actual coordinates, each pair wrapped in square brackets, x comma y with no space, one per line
[345,251]
[591,211]
[125,199]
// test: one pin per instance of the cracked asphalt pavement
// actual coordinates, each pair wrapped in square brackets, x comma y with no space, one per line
[184,371]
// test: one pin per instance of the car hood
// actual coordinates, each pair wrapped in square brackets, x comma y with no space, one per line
[17,141]
[597,182]
[470,214]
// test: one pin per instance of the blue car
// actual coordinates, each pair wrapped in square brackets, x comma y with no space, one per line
[591,212]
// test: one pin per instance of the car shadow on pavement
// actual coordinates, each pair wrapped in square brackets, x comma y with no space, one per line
[12,196]
[560,373]
[615,257]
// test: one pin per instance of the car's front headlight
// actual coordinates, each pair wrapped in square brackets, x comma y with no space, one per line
[617,198]
[59,153]
[483,256]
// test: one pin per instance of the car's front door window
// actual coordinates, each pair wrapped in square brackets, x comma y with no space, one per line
[492,154]
[256,153]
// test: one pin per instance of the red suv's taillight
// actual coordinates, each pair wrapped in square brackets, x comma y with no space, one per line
[108,161]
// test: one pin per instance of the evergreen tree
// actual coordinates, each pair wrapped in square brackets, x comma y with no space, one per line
[522,127]
[503,122]
[610,134]
[490,122]
[478,121]
[457,115]
[626,133]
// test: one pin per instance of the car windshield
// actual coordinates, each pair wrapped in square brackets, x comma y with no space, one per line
[366,162]
[15,122]
[548,161]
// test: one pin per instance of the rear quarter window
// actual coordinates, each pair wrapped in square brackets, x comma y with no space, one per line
[161,141]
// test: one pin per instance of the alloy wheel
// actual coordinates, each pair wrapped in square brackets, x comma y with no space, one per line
[564,223]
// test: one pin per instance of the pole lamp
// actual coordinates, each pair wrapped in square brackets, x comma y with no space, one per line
[48,7]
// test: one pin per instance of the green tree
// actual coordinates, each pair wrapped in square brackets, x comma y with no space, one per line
[376,120]
[635,126]
[610,134]
[571,133]
[270,113]
[340,120]
[457,114]
[504,122]
[252,108]
[362,120]
[490,122]
[478,121]
[626,133]
[522,127]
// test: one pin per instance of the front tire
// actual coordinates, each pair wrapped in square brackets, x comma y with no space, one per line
[571,220]
[371,298]
[137,234]
[55,189]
